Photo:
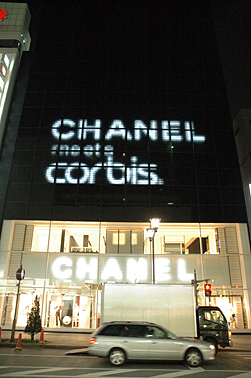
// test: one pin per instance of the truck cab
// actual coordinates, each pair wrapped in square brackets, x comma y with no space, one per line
[213,326]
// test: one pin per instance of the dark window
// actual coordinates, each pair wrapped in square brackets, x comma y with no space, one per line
[211,316]
[112,330]
[155,332]
[10,43]
[132,331]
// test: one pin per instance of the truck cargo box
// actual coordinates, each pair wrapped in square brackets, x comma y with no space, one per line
[172,306]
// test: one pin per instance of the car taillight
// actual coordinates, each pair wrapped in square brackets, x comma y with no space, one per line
[229,334]
[92,340]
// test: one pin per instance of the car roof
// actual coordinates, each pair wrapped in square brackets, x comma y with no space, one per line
[129,322]
[209,308]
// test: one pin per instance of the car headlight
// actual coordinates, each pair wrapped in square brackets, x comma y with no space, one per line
[212,346]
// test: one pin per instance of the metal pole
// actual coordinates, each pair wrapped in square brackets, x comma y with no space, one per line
[16,312]
[153,261]
[195,288]
[46,273]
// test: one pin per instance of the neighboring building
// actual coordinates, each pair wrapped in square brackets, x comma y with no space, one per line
[14,39]
[125,118]
[242,131]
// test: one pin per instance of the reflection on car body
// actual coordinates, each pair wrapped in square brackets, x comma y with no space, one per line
[121,341]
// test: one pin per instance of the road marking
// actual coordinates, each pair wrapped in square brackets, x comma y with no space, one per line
[69,372]
[246,356]
[242,375]
[109,373]
[182,373]
[35,355]
[35,371]
[97,372]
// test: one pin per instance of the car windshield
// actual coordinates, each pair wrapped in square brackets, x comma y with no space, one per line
[212,315]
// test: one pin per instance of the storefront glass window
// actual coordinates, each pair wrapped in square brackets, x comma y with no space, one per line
[66,263]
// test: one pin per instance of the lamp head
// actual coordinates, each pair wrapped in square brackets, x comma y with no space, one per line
[155,223]
[150,233]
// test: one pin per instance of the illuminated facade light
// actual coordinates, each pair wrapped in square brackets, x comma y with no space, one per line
[3,14]
[3,70]
[1,83]
[6,60]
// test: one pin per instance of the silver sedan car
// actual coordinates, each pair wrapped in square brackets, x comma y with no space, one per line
[121,341]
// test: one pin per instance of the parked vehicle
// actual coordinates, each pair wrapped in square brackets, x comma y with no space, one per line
[212,326]
[171,306]
[121,341]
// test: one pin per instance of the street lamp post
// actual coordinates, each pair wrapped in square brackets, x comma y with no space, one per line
[151,233]
[20,273]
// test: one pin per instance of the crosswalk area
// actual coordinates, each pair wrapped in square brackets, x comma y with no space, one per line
[62,372]
[56,372]
[245,355]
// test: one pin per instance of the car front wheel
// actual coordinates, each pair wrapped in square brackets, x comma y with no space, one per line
[117,357]
[214,343]
[193,357]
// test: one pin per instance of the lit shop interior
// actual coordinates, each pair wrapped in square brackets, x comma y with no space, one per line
[66,264]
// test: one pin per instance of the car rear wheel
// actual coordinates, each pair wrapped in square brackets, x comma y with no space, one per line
[117,357]
[193,357]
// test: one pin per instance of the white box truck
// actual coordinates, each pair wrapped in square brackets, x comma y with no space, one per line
[172,306]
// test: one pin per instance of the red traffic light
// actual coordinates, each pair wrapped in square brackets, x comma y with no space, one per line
[207,288]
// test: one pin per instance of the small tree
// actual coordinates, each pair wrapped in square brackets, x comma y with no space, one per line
[34,324]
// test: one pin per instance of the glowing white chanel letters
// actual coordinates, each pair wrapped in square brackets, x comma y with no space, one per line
[116,172]
[163,270]
[111,271]
[136,269]
[182,273]
[87,270]
[58,268]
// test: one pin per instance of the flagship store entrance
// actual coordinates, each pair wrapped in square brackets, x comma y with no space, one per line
[60,309]
[71,309]
[67,263]
[66,310]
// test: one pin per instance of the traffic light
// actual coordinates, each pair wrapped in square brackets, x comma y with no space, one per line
[207,288]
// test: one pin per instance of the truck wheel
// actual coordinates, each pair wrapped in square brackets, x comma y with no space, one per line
[193,357]
[117,357]
[214,343]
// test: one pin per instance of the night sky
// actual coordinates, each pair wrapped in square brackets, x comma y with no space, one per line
[233,30]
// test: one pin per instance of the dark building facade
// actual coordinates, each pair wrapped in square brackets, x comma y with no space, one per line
[128,98]
[125,117]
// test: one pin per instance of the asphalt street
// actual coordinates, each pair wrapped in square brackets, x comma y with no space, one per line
[65,355]
[242,342]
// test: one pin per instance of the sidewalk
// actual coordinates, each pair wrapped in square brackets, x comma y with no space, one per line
[52,340]
[242,342]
